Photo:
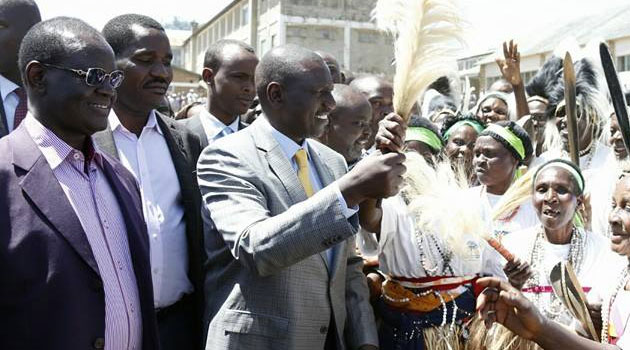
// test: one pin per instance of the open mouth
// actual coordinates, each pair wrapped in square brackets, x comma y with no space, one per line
[160,89]
[551,212]
[322,117]
[99,106]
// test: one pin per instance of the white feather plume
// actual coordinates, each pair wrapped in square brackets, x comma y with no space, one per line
[439,199]
[427,35]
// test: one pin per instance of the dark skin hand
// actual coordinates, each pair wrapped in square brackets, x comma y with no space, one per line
[518,272]
[510,67]
[500,302]
[389,138]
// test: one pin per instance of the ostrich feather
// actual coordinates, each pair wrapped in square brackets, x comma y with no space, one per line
[426,36]
[438,199]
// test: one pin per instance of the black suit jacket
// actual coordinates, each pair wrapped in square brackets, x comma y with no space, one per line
[194,125]
[51,291]
[4,129]
[184,148]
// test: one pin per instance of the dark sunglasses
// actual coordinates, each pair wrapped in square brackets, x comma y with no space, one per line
[94,76]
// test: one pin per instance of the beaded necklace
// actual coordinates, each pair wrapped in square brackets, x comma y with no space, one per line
[624,278]
[555,309]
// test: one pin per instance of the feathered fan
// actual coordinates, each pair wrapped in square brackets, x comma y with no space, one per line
[426,34]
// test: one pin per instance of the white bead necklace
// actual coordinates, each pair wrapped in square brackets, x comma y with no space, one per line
[555,309]
[624,278]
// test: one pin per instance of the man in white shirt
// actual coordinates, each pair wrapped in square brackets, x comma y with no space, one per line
[162,157]
[229,67]
[16,18]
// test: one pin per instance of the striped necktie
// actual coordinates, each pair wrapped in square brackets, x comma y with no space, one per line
[21,109]
[303,172]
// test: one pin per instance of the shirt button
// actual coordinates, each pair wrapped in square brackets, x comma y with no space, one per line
[76,156]
[155,271]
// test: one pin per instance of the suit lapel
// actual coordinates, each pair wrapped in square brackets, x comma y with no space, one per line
[278,161]
[4,128]
[42,187]
[194,125]
[326,177]
[105,141]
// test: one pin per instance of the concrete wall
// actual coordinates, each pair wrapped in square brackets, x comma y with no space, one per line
[329,39]
[371,52]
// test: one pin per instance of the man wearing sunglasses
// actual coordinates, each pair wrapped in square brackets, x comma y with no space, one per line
[74,257]
[162,155]
[16,18]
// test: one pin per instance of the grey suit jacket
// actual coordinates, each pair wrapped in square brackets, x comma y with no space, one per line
[194,125]
[184,149]
[268,283]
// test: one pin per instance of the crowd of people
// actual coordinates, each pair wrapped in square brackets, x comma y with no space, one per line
[291,207]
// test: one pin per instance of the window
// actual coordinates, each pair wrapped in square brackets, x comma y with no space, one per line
[216,32]
[261,47]
[273,40]
[222,28]
[367,37]
[245,14]
[229,23]
[327,34]
[527,76]
[623,63]
[237,18]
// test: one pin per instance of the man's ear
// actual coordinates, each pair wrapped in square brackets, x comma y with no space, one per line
[208,76]
[275,95]
[35,76]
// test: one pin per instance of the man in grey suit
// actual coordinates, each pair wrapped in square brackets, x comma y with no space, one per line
[282,271]
[228,69]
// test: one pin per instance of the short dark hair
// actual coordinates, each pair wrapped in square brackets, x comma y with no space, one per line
[45,43]
[282,64]
[214,55]
[119,33]
[422,122]
[516,130]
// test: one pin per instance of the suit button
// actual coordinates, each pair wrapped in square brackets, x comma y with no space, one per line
[323,330]
[99,343]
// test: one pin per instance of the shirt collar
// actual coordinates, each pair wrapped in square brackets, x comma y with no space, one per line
[54,149]
[6,87]
[115,124]
[288,146]
[213,126]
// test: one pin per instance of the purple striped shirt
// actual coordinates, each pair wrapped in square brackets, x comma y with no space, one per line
[96,206]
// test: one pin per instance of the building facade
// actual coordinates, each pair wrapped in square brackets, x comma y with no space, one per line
[340,27]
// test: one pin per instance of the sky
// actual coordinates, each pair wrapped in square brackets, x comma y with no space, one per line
[489,22]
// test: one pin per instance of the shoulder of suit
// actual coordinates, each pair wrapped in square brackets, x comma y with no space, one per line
[326,152]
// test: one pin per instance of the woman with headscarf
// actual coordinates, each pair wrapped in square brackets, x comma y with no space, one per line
[504,304]
[499,152]
[460,135]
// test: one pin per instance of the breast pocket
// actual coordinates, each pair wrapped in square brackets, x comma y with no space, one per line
[244,322]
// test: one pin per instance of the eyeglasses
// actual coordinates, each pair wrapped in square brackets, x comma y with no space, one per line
[94,76]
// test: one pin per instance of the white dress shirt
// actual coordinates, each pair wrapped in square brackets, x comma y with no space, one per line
[10,100]
[214,128]
[148,158]
[289,148]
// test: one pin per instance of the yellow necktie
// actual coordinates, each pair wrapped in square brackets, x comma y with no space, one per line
[303,172]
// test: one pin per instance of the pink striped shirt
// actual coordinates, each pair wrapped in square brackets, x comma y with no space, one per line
[86,187]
